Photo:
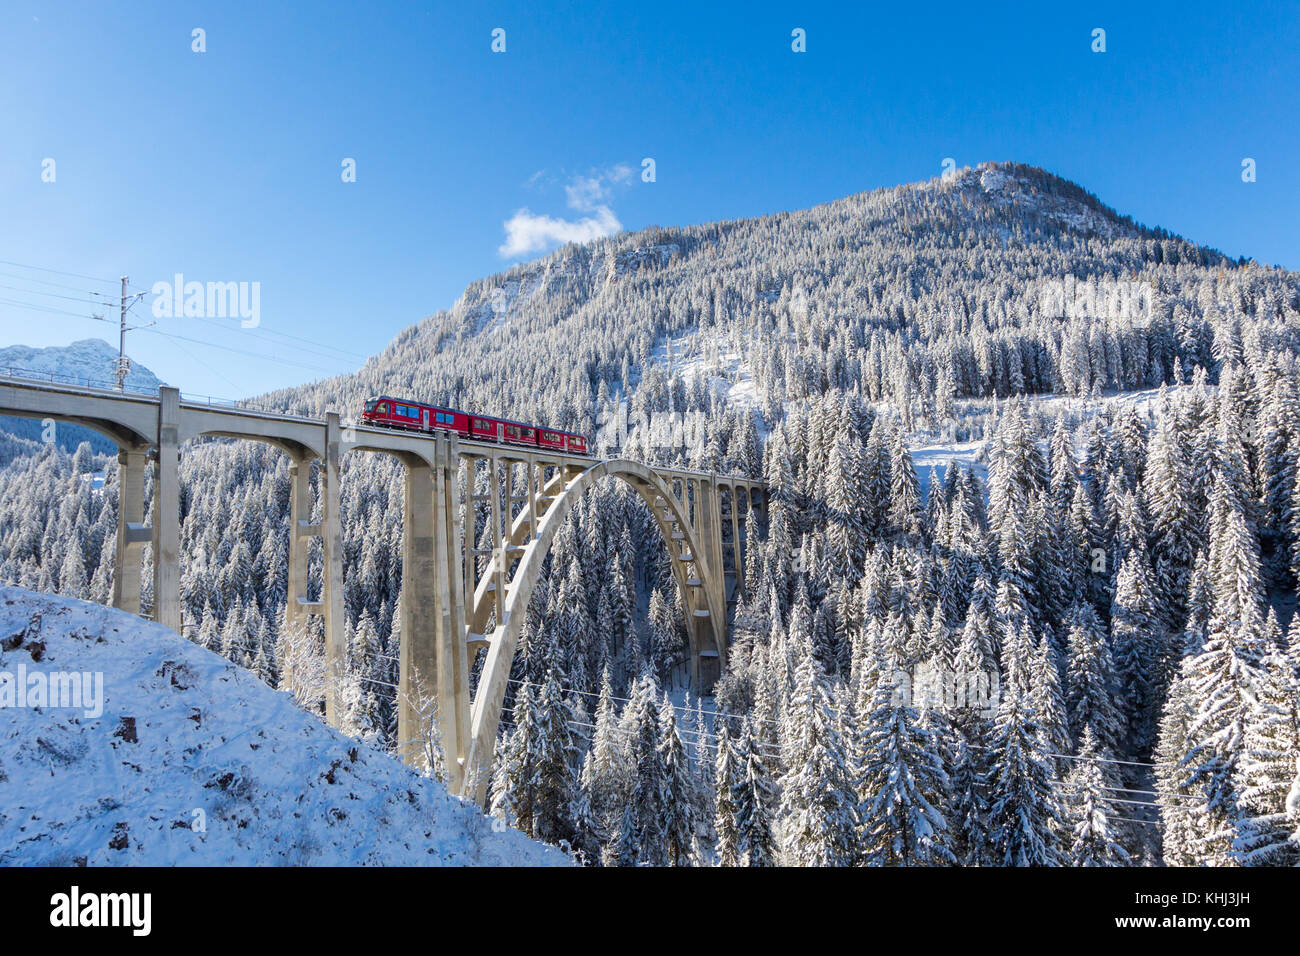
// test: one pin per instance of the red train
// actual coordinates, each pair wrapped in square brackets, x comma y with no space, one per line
[388,412]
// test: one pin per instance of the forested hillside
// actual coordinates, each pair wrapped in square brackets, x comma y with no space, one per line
[1118,580]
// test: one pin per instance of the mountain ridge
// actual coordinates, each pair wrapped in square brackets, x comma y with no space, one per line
[953,256]
[82,361]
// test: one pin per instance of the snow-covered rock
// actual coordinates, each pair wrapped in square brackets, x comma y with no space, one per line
[188,759]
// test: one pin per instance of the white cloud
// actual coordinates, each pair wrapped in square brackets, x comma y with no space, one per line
[526,233]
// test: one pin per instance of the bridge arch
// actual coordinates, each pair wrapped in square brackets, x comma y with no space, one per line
[697,574]
[121,422]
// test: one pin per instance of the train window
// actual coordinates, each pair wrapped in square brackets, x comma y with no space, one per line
[383,408]
[445,418]
[483,424]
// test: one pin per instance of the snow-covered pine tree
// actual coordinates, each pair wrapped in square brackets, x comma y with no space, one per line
[1091,683]
[754,801]
[1025,817]
[902,788]
[678,800]
[1090,811]
[818,817]
[728,774]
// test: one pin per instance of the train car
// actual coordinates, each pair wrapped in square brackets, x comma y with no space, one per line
[551,439]
[517,433]
[386,411]
[389,412]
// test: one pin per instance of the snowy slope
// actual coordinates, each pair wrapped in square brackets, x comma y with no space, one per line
[195,761]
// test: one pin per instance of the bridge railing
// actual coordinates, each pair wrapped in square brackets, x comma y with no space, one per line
[76,381]
[106,385]
[242,404]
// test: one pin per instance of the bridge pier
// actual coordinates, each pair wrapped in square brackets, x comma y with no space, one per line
[452,648]
[132,532]
[167,513]
[417,679]
[737,558]
[332,585]
[297,606]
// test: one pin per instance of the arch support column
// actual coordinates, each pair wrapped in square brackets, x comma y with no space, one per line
[710,620]
[332,585]
[167,513]
[132,533]
[451,638]
[417,679]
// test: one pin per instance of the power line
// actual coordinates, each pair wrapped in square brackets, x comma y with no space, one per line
[75,275]
[102,298]
[287,335]
[245,352]
[259,329]
[56,285]
[57,295]
[50,310]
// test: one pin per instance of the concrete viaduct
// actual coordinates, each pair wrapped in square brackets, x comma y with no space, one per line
[458,597]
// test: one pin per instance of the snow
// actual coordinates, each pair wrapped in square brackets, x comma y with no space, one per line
[939,457]
[973,454]
[711,355]
[194,761]
[86,360]
[1005,189]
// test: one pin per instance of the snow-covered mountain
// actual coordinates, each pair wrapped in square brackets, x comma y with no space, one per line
[189,759]
[86,361]
[986,282]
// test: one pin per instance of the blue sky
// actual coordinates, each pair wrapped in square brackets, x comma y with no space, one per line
[225,166]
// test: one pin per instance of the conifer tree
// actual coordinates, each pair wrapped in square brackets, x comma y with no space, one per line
[1025,822]
[1091,682]
[727,772]
[604,772]
[678,799]
[818,819]
[902,788]
[1090,812]
[754,822]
